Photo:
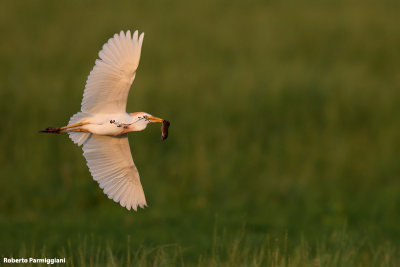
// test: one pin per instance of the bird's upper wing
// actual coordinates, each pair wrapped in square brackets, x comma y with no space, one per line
[110,162]
[108,84]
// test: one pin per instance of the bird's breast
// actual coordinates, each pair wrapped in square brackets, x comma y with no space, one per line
[108,124]
[104,129]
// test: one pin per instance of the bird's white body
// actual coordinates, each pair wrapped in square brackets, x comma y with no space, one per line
[115,123]
[102,125]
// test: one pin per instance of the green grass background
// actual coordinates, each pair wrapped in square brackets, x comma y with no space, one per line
[284,143]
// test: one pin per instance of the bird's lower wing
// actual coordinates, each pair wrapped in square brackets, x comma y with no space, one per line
[110,162]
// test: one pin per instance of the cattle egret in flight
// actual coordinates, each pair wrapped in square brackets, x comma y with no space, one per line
[103,123]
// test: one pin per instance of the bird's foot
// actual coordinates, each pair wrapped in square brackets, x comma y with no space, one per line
[125,125]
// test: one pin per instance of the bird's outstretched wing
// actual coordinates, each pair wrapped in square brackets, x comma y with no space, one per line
[108,84]
[110,162]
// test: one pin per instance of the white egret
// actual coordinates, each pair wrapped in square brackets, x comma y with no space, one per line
[103,123]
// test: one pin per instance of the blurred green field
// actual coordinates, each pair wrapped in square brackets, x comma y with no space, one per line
[284,143]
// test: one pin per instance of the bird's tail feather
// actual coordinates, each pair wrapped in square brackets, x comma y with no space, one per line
[79,138]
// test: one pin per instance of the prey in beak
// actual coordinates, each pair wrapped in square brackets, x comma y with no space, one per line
[164,130]
[164,126]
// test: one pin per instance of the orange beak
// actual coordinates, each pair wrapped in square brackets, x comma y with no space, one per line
[154,119]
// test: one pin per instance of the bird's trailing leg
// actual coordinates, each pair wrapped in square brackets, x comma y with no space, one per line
[63,129]
[74,125]
[73,130]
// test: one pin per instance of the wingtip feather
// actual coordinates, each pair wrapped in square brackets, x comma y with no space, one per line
[141,38]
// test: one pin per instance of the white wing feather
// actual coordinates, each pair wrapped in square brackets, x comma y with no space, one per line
[110,162]
[108,84]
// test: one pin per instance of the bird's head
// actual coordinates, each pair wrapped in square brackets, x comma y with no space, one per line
[141,119]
